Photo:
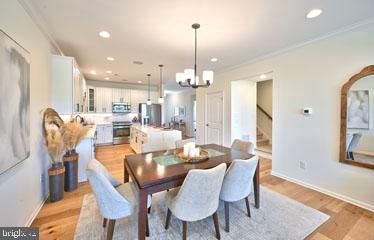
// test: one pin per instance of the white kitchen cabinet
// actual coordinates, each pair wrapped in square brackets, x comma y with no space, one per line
[153,136]
[121,95]
[103,100]
[68,86]
[91,99]
[104,134]
[86,152]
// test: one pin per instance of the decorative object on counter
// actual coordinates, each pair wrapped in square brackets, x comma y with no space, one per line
[190,76]
[161,98]
[134,119]
[149,102]
[14,103]
[56,148]
[72,132]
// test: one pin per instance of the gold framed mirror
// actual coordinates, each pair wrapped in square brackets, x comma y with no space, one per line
[357,119]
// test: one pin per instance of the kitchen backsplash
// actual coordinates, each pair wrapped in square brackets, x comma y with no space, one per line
[97,118]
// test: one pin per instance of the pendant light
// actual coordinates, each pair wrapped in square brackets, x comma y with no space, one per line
[161,99]
[189,77]
[149,102]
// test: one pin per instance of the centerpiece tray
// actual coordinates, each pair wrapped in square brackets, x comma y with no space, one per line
[204,155]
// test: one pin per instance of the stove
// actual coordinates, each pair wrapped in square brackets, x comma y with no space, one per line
[121,132]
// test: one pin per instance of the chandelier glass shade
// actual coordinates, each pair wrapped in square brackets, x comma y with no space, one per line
[189,77]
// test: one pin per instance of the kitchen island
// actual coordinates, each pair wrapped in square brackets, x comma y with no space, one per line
[155,136]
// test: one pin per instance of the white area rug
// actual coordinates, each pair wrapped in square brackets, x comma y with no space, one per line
[279,217]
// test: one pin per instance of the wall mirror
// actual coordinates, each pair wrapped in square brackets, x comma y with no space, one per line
[357,119]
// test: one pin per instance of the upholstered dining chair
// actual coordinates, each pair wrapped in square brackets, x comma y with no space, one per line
[237,184]
[115,200]
[197,198]
[181,143]
[243,146]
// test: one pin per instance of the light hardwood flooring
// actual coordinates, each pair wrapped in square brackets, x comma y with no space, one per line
[348,222]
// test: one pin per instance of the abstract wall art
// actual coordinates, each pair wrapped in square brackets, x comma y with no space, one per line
[14,103]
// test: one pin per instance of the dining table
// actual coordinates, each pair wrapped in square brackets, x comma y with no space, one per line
[162,170]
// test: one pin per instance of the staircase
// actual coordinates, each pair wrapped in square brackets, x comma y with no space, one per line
[264,147]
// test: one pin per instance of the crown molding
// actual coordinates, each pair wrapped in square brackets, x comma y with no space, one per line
[40,22]
[299,45]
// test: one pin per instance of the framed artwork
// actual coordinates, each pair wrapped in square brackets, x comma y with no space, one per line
[14,103]
[182,111]
[358,109]
[176,111]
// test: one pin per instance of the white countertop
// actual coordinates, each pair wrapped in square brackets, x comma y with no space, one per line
[91,132]
[150,129]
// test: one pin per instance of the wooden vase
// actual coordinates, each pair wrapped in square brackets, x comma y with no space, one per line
[71,172]
[56,182]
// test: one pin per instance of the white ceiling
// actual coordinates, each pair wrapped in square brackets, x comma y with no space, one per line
[157,32]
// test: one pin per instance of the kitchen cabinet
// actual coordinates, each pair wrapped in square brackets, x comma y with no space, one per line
[153,136]
[121,95]
[68,86]
[103,100]
[91,102]
[104,134]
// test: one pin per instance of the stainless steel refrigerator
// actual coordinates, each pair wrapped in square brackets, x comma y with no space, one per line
[150,114]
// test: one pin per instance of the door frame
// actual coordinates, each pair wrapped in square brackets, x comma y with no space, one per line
[222,115]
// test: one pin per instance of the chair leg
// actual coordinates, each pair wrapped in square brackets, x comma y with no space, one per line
[227,216]
[110,229]
[247,204]
[216,225]
[168,215]
[104,222]
[147,228]
[184,230]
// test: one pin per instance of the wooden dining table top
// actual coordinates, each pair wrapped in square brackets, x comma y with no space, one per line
[147,172]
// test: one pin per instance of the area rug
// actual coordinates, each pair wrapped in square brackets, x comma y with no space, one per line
[279,217]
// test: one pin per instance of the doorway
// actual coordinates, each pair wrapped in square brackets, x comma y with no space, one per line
[214,118]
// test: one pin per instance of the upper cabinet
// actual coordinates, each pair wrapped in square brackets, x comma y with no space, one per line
[68,88]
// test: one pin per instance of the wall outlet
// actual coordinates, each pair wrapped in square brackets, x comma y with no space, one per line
[302,165]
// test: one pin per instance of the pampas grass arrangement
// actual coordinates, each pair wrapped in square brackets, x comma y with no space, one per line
[72,134]
[55,145]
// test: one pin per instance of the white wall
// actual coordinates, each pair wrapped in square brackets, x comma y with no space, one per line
[309,76]
[178,99]
[243,110]
[21,192]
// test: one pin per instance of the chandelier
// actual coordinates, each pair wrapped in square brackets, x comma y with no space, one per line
[189,77]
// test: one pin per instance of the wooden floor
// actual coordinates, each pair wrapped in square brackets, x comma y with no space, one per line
[58,220]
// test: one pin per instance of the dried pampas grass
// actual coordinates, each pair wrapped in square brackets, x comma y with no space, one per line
[55,145]
[72,134]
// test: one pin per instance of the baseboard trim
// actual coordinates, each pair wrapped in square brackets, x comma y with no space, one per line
[35,213]
[325,191]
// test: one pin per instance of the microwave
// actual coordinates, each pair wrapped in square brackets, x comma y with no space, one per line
[121,107]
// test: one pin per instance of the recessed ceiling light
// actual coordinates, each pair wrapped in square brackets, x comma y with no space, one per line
[93,72]
[137,62]
[263,76]
[110,58]
[104,34]
[314,13]
[108,71]
[106,78]
[139,81]
[214,59]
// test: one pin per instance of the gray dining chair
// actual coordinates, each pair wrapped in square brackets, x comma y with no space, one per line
[115,200]
[197,198]
[181,143]
[243,146]
[237,184]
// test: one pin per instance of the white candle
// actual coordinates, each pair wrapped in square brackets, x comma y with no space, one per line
[197,152]
[186,149]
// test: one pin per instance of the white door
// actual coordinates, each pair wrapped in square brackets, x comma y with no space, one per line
[214,118]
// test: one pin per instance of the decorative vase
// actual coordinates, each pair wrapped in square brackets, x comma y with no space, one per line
[56,182]
[71,172]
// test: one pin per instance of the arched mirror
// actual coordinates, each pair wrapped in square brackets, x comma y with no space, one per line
[357,119]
